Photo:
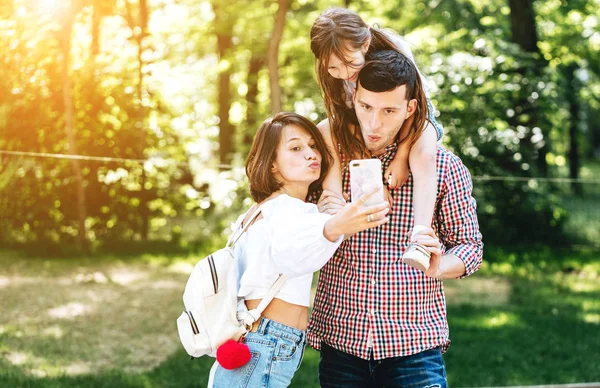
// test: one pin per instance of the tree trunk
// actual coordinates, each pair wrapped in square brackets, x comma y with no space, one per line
[273,55]
[594,127]
[223,28]
[145,213]
[138,22]
[96,19]
[523,27]
[65,41]
[524,33]
[574,109]
[257,62]
[142,23]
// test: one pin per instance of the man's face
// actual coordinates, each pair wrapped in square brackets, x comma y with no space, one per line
[381,115]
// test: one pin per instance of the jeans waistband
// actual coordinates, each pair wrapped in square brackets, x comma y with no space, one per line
[268,326]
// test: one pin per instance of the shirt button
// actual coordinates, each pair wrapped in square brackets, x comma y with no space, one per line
[373,312]
[373,282]
[374,251]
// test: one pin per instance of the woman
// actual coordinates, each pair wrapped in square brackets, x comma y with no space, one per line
[340,39]
[290,236]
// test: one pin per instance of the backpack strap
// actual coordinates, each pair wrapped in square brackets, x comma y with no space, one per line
[240,230]
[251,316]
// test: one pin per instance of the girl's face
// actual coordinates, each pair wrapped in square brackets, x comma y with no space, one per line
[348,68]
[298,161]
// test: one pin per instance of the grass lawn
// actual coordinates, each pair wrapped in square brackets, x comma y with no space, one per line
[110,322]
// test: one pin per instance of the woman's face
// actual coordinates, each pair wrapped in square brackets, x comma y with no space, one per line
[348,69]
[298,161]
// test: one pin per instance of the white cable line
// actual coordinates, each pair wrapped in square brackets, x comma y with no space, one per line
[526,179]
[97,158]
[229,166]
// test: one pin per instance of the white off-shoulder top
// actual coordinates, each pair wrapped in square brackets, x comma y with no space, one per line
[287,240]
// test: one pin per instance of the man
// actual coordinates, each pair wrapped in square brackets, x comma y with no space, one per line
[377,321]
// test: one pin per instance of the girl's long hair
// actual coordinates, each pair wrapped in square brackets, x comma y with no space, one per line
[335,31]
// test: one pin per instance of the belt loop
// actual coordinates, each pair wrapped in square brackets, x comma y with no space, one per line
[262,326]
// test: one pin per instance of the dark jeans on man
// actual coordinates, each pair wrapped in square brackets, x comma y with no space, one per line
[421,370]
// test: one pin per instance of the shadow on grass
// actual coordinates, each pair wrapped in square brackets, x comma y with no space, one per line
[123,250]
[544,332]
[21,261]
[178,371]
[545,257]
[548,334]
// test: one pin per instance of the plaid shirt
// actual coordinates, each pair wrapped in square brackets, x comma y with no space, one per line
[366,288]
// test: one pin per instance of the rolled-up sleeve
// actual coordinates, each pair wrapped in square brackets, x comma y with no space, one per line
[298,246]
[457,217]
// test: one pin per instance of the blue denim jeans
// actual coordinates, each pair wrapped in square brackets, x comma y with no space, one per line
[277,352]
[439,130]
[421,370]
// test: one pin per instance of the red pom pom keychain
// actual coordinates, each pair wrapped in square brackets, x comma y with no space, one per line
[232,354]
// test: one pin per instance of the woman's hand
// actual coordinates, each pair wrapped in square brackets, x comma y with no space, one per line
[355,217]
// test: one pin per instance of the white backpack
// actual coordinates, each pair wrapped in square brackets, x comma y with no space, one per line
[213,313]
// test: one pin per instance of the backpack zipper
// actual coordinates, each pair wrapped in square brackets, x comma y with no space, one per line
[192,322]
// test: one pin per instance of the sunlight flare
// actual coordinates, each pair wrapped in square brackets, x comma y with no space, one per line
[69,310]
[501,319]
[17,358]
[53,331]
[50,6]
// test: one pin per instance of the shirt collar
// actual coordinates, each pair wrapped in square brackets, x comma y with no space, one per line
[388,153]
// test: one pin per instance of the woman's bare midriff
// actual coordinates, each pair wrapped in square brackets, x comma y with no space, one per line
[283,312]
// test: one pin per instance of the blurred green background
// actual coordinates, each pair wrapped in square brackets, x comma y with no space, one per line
[163,97]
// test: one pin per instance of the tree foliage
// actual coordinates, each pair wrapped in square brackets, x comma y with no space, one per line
[184,84]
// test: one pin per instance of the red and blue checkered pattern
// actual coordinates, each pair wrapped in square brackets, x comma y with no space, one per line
[366,287]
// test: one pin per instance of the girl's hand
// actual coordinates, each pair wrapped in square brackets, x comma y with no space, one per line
[330,202]
[388,196]
[397,172]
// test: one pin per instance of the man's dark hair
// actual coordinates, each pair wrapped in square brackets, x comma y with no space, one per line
[386,70]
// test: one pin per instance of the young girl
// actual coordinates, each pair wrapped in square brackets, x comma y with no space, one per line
[288,237]
[339,40]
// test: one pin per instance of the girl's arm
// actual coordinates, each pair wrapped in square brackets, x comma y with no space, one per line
[422,159]
[333,180]
[397,172]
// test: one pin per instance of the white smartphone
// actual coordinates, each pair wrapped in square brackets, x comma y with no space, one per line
[364,175]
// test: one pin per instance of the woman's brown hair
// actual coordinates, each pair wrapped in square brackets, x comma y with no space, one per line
[334,32]
[263,153]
